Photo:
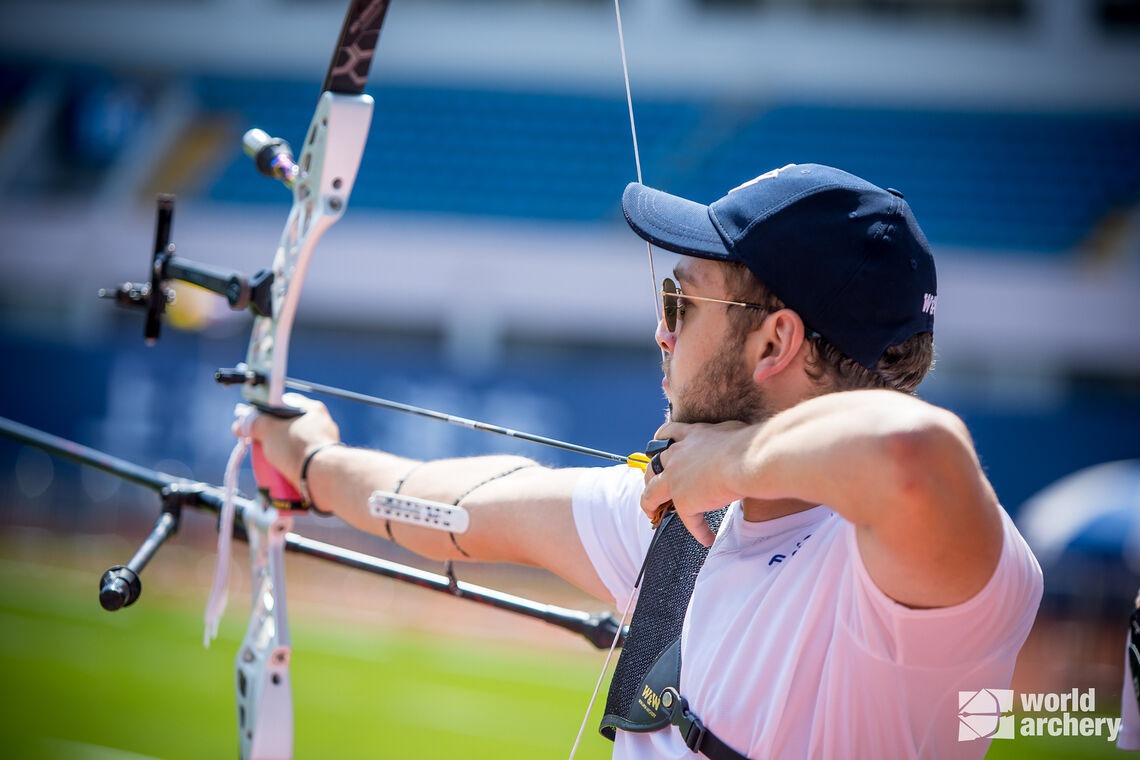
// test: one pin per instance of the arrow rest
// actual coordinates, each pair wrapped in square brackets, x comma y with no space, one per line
[239,375]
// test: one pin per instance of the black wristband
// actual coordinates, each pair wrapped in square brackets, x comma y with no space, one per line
[305,495]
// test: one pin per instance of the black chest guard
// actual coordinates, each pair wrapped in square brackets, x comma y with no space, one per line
[651,657]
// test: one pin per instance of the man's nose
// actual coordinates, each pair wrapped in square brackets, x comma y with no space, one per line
[665,339]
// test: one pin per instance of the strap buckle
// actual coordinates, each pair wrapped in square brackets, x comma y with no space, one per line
[690,726]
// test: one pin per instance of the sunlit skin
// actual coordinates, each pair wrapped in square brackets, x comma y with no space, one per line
[709,378]
[714,383]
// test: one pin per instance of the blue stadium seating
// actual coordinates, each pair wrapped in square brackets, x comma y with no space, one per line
[1021,181]
[1033,182]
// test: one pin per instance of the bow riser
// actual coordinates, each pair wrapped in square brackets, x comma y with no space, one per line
[329,162]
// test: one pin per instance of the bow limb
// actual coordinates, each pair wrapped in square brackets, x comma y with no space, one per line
[321,181]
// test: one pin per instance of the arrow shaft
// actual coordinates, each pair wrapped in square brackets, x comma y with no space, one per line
[451,419]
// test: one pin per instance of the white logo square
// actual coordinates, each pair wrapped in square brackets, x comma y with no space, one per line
[981,714]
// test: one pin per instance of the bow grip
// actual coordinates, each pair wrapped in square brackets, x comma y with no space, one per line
[275,489]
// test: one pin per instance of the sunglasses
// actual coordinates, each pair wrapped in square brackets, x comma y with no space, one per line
[671,296]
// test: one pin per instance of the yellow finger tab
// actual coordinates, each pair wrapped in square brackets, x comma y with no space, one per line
[638,460]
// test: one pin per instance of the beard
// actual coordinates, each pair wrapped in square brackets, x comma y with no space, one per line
[723,390]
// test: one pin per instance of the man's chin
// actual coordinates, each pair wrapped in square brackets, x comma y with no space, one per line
[713,416]
[682,414]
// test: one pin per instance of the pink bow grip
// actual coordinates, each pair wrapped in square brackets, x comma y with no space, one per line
[280,492]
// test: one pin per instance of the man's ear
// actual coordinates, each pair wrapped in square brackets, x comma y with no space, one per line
[774,345]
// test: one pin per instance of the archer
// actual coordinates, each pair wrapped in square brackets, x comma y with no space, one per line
[832,567]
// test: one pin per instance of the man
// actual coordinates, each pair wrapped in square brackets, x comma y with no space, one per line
[864,573]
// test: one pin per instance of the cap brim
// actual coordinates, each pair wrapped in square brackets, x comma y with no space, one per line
[673,223]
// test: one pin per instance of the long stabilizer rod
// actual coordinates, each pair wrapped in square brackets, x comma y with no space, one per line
[597,628]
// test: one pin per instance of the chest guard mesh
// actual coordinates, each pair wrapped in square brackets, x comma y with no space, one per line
[671,569]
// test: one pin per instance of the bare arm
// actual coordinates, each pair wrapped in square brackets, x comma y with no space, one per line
[524,516]
[903,471]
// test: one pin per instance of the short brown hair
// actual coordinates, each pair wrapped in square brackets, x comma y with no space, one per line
[901,367]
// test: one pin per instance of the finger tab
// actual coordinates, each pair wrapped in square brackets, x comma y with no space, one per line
[659,514]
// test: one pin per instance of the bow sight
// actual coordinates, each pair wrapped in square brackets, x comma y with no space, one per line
[274,158]
[239,291]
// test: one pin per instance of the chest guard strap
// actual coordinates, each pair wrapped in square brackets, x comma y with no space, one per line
[670,574]
[696,737]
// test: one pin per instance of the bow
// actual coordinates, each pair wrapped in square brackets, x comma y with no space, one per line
[321,182]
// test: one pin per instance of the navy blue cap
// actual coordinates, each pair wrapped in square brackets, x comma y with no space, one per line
[846,255]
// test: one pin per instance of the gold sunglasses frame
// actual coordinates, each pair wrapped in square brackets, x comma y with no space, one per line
[670,291]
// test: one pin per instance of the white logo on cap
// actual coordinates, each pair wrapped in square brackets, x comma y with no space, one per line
[765,175]
[929,302]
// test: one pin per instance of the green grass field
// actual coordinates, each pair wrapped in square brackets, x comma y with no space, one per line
[83,683]
[78,679]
